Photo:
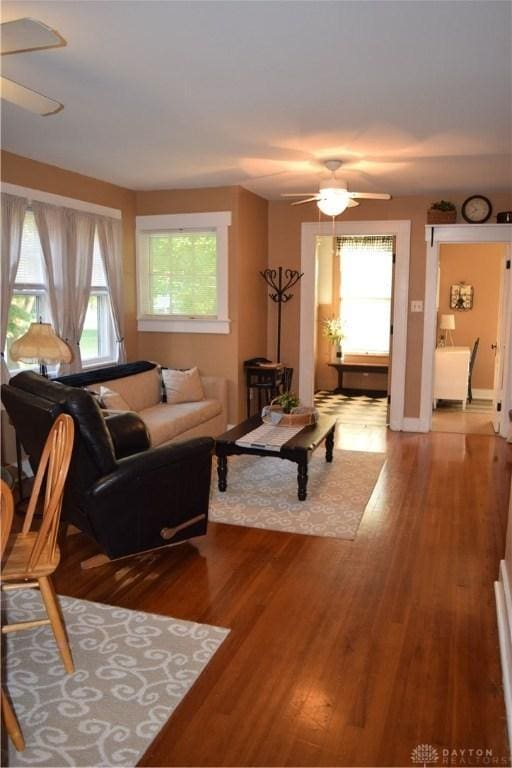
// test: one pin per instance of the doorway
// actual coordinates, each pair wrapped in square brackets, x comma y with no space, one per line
[354,297]
[469,297]
[401,230]
[464,235]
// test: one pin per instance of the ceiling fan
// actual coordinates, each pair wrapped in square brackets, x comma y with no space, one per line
[333,196]
[22,36]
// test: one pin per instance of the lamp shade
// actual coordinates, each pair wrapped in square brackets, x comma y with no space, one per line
[447,323]
[333,201]
[40,344]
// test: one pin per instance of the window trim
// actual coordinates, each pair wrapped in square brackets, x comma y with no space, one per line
[217,221]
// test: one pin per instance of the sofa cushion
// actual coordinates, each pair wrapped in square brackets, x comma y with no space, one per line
[165,421]
[112,401]
[182,386]
[140,391]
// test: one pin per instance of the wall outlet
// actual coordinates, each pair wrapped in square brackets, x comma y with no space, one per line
[416,306]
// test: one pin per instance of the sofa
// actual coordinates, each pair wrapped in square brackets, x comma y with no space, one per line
[140,388]
[125,494]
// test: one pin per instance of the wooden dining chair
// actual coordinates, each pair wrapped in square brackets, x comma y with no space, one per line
[8,716]
[32,556]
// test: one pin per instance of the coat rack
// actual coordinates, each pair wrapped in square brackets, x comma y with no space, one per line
[274,279]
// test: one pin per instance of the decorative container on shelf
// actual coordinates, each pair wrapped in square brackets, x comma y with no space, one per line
[442,212]
[300,415]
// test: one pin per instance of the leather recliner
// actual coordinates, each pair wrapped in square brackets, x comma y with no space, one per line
[128,497]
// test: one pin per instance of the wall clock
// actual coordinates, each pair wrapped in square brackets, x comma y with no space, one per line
[476,209]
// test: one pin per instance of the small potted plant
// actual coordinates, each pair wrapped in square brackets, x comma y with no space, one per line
[287,411]
[442,212]
[287,401]
[334,333]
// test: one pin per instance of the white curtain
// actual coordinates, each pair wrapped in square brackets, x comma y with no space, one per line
[80,229]
[110,240]
[13,216]
[50,226]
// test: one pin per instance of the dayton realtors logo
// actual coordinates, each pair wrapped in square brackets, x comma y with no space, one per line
[424,754]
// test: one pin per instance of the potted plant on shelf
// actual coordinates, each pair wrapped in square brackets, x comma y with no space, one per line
[442,212]
[334,332]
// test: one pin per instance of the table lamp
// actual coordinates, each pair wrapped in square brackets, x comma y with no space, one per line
[40,344]
[448,324]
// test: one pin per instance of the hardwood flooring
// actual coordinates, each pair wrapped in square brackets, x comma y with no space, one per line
[341,653]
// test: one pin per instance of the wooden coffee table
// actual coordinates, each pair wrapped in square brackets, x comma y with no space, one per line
[298,449]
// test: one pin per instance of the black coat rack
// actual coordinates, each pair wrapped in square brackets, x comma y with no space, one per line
[274,278]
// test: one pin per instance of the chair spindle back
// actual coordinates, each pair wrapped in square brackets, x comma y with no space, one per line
[53,469]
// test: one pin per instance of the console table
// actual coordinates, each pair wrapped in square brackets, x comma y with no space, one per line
[356,368]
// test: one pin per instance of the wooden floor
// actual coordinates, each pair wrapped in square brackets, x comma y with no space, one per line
[341,653]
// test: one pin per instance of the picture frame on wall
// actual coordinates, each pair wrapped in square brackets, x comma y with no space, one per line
[461,296]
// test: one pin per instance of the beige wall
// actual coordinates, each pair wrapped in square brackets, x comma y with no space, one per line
[30,173]
[284,249]
[480,266]
[219,354]
[248,248]
[252,259]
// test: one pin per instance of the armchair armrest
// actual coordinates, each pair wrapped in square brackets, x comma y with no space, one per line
[128,432]
[162,490]
[154,460]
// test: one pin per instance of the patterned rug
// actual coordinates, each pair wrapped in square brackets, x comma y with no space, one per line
[132,671]
[359,410]
[262,493]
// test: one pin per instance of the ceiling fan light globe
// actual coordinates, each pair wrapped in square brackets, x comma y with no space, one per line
[333,201]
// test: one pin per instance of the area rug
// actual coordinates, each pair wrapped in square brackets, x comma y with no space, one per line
[262,493]
[132,671]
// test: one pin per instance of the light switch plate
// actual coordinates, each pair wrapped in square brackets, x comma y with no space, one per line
[416,306]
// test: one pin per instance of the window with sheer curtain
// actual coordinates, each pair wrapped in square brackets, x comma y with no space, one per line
[366,275]
[30,302]
[182,266]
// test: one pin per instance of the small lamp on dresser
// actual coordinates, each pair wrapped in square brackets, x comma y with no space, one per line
[447,325]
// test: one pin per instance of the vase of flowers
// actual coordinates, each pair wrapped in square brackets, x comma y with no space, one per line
[333,331]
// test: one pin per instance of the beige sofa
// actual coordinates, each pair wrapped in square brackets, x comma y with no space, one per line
[166,422]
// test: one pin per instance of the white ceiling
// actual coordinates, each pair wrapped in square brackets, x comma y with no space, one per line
[416,95]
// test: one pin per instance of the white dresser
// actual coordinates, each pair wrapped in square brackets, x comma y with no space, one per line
[451,370]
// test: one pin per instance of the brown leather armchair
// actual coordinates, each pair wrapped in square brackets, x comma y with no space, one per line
[128,497]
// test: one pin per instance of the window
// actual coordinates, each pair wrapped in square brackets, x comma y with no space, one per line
[366,267]
[30,303]
[97,342]
[182,263]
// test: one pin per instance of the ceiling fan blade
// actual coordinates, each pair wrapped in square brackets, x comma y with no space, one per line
[28,99]
[352,203]
[23,35]
[370,195]
[307,200]
[297,194]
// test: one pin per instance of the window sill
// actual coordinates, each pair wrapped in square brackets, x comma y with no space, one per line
[166,325]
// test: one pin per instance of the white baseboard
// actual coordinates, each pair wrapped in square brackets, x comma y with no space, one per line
[502,595]
[414,425]
[483,394]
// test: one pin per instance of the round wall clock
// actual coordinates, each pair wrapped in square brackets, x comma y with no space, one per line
[476,209]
